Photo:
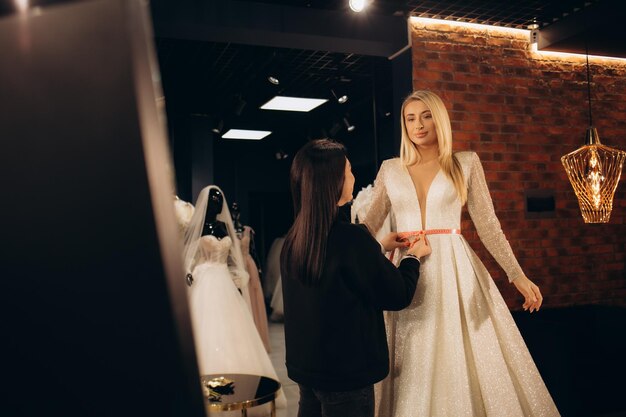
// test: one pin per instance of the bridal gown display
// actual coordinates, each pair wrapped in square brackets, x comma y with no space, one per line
[272,268]
[184,212]
[225,335]
[273,282]
[259,312]
[455,351]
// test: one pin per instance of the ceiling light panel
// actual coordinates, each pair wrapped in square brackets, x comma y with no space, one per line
[246,134]
[300,104]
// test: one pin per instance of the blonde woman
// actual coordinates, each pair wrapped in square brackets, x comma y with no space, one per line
[455,351]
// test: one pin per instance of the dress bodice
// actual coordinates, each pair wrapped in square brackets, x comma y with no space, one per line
[215,250]
[443,206]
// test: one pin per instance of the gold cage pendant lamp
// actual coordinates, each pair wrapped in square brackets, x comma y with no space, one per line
[594,171]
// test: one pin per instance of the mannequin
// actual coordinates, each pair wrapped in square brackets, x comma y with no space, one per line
[217,228]
[225,335]
[212,226]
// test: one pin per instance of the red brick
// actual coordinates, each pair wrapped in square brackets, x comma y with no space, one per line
[425,75]
[439,65]
[521,113]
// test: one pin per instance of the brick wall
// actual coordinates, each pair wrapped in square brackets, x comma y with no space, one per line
[521,111]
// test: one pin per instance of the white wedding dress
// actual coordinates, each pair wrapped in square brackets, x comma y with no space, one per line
[225,335]
[455,351]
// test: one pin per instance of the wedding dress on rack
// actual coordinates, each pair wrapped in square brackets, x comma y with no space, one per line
[225,335]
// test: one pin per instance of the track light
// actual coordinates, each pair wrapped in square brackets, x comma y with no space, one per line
[358,5]
[349,127]
[280,155]
[218,127]
[274,80]
[341,98]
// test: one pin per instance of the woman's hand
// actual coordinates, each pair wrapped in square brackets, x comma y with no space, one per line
[531,293]
[420,247]
[391,242]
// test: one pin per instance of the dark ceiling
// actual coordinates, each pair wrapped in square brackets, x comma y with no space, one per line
[217,69]
[216,56]
[569,25]
[513,13]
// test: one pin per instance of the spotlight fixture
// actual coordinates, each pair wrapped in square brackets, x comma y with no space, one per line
[349,127]
[280,155]
[594,171]
[274,80]
[358,5]
[341,99]
[218,127]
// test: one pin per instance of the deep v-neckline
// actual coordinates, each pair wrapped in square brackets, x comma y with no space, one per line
[417,200]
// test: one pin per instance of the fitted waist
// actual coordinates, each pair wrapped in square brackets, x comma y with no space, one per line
[415,233]
[210,265]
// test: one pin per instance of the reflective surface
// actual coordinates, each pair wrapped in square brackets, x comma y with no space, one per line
[247,391]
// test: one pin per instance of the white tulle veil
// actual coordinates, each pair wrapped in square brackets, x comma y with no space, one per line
[193,253]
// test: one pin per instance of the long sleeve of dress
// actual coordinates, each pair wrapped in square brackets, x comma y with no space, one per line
[483,215]
[380,204]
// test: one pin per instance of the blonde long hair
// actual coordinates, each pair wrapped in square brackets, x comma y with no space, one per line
[409,154]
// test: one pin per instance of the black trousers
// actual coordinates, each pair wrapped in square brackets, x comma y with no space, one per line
[318,403]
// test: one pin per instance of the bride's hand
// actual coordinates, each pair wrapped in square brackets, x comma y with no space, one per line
[531,293]
[391,242]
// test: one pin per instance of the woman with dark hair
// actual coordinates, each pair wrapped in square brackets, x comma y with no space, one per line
[336,284]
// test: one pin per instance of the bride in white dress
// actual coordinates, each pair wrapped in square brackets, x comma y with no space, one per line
[455,351]
[225,335]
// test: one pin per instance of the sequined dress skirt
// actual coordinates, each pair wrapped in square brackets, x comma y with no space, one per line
[456,351]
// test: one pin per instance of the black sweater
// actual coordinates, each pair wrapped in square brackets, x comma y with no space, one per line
[334,331]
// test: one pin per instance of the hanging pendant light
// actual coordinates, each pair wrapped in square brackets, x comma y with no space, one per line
[594,171]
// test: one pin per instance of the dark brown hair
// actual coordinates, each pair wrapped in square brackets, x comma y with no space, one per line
[317,176]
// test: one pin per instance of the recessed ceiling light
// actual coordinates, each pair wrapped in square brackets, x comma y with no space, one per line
[245,134]
[293,103]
